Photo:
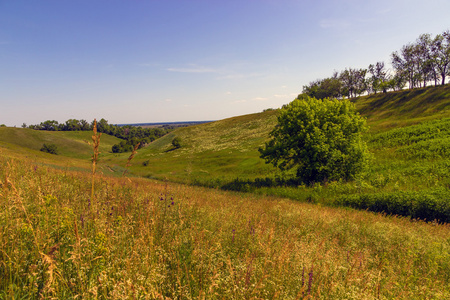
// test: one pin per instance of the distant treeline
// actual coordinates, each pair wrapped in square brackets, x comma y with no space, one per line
[427,60]
[131,135]
[168,124]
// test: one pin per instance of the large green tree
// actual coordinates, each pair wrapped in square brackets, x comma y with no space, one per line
[321,139]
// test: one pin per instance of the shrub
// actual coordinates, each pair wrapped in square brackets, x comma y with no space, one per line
[50,148]
[123,146]
[176,142]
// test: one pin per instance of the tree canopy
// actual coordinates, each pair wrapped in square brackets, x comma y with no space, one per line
[425,61]
[320,139]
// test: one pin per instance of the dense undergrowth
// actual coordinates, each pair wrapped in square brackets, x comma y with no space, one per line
[141,239]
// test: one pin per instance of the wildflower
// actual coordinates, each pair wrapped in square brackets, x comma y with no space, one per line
[310,279]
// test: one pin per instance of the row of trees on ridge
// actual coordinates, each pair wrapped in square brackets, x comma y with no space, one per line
[427,60]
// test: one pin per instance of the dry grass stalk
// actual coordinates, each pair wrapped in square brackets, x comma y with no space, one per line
[133,153]
[96,144]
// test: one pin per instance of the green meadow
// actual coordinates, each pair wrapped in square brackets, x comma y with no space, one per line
[210,220]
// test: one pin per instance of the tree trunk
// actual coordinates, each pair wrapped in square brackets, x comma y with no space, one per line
[443,75]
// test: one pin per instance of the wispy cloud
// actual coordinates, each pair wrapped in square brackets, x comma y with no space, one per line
[334,24]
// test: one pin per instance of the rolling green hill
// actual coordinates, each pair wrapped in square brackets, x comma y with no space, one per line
[403,108]
[216,153]
[73,146]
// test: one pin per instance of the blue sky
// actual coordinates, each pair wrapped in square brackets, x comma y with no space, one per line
[189,60]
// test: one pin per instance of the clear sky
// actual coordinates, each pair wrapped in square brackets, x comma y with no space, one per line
[139,61]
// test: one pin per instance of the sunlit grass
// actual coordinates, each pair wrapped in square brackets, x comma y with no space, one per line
[152,240]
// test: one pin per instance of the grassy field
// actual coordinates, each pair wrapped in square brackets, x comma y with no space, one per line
[140,238]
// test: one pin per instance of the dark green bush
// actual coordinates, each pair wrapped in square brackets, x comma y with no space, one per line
[176,142]
[50,148]
[426,205]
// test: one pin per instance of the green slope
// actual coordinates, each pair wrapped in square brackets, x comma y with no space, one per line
[403,108]
[219,152]
[214,151]
[73,146]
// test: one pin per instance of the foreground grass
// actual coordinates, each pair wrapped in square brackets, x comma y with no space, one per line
[151,240]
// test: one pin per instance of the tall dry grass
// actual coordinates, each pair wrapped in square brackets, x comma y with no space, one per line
[95,145]
[152,240]
[133,153]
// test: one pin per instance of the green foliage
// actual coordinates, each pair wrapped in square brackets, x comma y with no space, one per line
[321,139]
[426,205]
[123,146]
[324,88]
[50,148]
[176,142]
[427,140]
[431,130]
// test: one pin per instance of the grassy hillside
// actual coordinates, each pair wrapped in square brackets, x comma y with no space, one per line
[141,239]
[73,146]
[217,151]
[402,108]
